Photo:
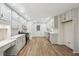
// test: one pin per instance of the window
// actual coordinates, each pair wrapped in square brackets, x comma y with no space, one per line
[38,27]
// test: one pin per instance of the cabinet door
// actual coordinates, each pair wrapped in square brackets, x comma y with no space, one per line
[69,15]
[19,44]
[23,40]
[14,23]
[14,20]
[5,13]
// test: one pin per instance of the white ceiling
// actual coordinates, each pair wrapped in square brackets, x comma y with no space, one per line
[41,11]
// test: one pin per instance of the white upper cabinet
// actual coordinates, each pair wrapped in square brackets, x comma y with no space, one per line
[62,17]
[14,22]
[5,13]
[22,24]
[56,22]
[67,16]
[17,22]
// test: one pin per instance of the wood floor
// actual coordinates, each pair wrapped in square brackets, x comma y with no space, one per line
[64,50]
[42,47]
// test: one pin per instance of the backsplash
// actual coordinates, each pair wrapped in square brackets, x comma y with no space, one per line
[3,33]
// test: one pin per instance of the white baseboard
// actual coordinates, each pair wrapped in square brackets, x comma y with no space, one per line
[37,36]
[75,52]
[59,43]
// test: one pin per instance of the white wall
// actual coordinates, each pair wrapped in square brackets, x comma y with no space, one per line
[40,33]
[74,15]
[66,29]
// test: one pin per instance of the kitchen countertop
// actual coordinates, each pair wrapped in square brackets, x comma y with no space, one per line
[51,32]
[5,42]
[16,36]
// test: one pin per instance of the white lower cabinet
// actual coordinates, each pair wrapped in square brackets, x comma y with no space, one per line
[20,42]
[53,38]
[7,44]
[3,49]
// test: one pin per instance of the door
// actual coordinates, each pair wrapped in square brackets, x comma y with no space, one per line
[68,34]
[38,29]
